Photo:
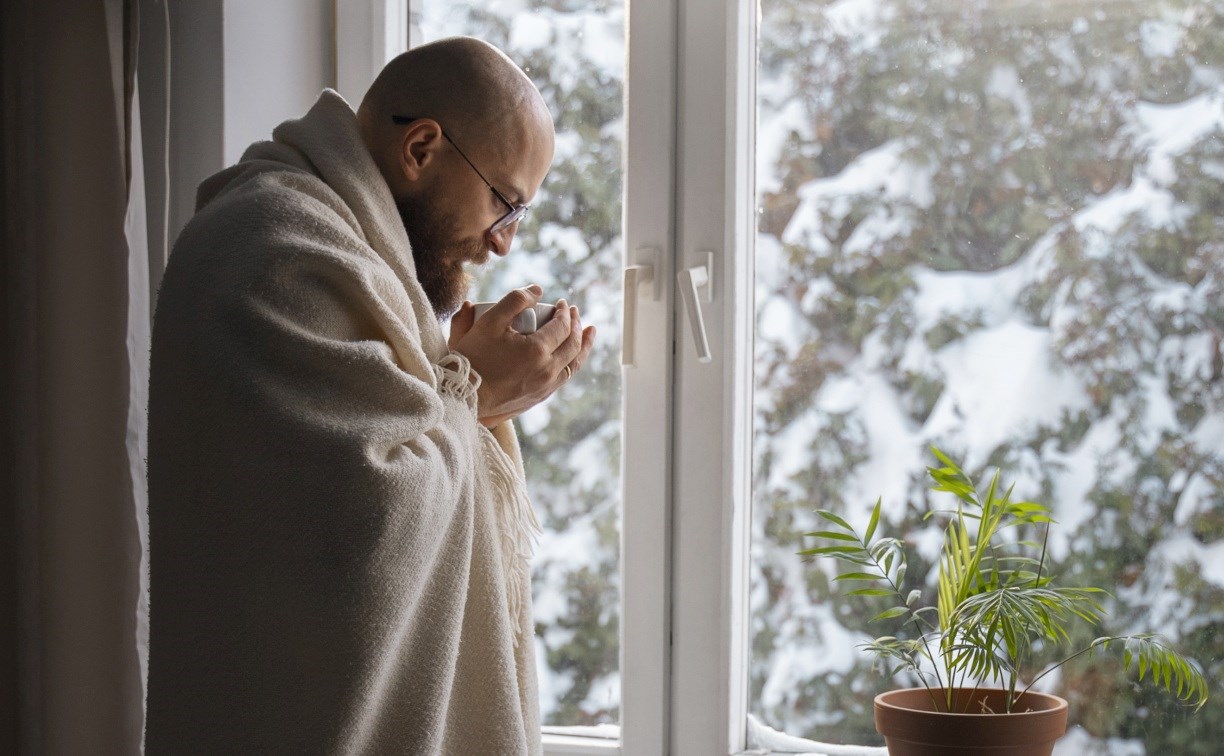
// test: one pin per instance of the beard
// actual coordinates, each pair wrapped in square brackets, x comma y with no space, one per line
[440,254]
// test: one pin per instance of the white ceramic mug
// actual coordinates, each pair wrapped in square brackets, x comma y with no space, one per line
[527,321]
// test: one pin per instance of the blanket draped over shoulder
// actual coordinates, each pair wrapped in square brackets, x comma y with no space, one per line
[338,549]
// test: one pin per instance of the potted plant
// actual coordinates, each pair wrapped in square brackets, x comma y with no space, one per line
[996,605]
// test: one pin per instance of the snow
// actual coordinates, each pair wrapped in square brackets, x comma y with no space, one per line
[549,692]
[771,136]
[1209,434]
[567,145]
[604,731]
[1159,414]
[890,435]
[1077,742]
[990,296]
[764,739]
[880,226]
[574,40]
[1156,590]
[531,31]
[858,20]
[1160,37]
[1187,550]
[605,693]
[566,240]
[770,264]
[588,459]
[1000,376]
[824,646]
[1006,85]
[1169,130]
[881,172]
[817,293]
[793,451]
[517,270]
[779,323]
[1078,477]
[535,420]
[1000,383]
[561,548]
[1109,213]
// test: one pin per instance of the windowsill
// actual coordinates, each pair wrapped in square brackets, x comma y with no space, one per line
[603,740]
[824,751]
[767,741]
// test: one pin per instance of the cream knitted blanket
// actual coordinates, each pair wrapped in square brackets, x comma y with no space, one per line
[338,548]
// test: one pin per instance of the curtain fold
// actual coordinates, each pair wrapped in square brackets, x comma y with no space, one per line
[139,337]
[77,296]
[19,684]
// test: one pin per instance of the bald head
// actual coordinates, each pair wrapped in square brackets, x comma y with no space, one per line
[477,94]
[445,122]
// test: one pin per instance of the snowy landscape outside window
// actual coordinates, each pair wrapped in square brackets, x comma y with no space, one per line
[996,226]
[571,245]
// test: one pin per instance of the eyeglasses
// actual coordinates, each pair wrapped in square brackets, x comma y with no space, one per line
[515,212]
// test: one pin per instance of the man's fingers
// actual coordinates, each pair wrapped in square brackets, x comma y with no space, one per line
[554,333]
[461,323]
[509,306]
[588,341]
[585,341]
[572,345]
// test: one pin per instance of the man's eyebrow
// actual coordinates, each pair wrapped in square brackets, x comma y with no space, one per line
[516,196]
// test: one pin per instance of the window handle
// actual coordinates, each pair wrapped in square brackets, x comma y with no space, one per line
[640,273]
[692,279]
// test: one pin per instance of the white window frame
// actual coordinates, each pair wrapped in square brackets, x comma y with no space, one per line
[646,454]
[689,198]
[689,192]
[713,416]
[368,33]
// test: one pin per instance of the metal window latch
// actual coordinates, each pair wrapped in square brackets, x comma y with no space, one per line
[643,271]
[696,285]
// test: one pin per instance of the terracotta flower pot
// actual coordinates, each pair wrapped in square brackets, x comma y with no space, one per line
[912,727]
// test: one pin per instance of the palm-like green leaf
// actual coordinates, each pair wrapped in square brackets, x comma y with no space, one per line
[1168,666]
[994,600]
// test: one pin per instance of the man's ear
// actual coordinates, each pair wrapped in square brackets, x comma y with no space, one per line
[419,146]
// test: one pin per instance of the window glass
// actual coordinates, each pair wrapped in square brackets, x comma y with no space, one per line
[995,227]
[570,244]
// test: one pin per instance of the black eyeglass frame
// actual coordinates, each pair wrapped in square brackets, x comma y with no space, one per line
[515,213]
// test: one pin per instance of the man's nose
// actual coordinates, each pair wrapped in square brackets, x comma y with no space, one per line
[499,240]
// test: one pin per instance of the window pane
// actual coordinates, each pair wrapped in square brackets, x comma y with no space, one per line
[996,227]
[570,244]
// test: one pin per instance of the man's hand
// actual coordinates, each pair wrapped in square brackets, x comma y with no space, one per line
[518,371]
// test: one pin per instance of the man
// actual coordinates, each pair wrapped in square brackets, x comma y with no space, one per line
[339,528]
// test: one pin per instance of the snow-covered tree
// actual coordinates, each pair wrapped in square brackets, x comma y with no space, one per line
[995,227]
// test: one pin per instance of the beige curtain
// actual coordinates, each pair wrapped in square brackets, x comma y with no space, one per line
[76,273]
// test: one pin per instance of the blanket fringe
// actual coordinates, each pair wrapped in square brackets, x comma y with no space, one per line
[456,377]
[517,526]
[519,529]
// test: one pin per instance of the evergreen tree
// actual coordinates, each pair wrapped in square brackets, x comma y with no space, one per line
[570,244]
[967,191]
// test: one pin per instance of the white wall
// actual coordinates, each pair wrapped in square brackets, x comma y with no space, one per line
[278,55]
[238,68]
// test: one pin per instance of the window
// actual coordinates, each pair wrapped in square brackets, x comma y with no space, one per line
[993,225]
[571,244]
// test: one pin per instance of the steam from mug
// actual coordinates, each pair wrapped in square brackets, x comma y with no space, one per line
[527,321]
